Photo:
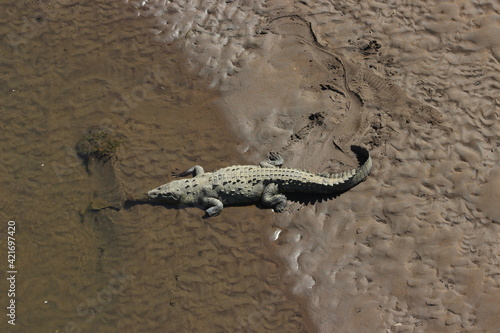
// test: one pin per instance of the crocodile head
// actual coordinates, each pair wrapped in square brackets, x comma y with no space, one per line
[170,193]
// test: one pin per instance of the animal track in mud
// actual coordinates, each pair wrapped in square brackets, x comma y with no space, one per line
[294,25]
[315,119]
[381,132]
[330,87]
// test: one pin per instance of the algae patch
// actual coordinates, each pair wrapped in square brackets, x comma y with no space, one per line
[98,145]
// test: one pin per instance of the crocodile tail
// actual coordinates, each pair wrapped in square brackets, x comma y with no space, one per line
[348,179]
[365,163]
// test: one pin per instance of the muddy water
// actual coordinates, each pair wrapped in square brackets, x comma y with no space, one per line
[68,67]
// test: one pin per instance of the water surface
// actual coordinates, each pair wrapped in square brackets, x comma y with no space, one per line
[67,67]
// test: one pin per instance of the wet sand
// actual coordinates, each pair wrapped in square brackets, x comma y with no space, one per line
[414,248]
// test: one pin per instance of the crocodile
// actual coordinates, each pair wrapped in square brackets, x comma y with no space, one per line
[247,184]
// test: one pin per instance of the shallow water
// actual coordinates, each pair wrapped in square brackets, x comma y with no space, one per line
[68,67]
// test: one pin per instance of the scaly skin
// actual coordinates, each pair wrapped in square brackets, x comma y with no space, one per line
[246,184]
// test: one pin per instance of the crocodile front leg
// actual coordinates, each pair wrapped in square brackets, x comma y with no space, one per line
[214,206]
[195,171]
[274,161]
[272,198]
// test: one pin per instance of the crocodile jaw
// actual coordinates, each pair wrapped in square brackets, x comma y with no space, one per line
[168,193]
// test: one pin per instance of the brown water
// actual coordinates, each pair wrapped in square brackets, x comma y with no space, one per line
[67,67]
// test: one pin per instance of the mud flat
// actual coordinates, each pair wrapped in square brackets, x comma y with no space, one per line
[414,248]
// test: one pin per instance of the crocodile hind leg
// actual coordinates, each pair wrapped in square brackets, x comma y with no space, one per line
[275,160]
[214,206]
[195,171]
[272,198]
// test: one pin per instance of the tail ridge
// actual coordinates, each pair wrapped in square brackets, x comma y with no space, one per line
[351,178]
